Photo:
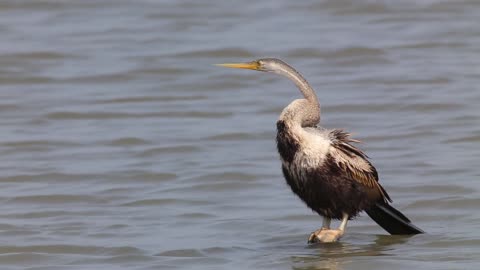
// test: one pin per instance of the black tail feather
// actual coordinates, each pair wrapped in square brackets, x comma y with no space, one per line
[392,220]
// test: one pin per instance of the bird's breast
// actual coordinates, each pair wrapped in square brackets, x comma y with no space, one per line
[304,150]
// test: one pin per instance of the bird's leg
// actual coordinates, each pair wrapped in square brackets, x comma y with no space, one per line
[326,223]
[327,235]
[343,225]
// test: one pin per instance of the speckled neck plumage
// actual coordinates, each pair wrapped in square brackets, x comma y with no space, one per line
[304,112]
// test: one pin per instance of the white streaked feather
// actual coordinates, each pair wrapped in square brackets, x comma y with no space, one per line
[355,163]
[314,147]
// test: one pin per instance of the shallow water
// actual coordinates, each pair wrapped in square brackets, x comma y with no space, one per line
[124,148]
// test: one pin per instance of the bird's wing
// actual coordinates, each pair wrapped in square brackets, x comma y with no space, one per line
[354,162]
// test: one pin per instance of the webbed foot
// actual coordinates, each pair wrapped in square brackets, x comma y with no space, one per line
[325,236]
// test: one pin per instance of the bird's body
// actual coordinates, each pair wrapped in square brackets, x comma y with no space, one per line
[323,168]
[317,170]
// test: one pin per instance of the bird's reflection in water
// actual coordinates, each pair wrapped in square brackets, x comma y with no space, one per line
[335,256]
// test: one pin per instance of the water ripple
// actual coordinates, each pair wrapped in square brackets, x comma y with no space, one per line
[118,115]
[169,150]
[71,249]
[143,99]
[128,141]
[58,198]
[117,129]
[218,53]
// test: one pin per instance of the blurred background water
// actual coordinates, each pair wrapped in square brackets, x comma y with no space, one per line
[124,148]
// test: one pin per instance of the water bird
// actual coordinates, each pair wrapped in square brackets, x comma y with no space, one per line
[324,167]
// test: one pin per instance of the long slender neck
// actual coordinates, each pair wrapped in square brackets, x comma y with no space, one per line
[302,85]
[305,112]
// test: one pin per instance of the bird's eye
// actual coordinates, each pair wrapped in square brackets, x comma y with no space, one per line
[261,65]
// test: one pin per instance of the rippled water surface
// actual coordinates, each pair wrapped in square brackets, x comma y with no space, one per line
[123,147]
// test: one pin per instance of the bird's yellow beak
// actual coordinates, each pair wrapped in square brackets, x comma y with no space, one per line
[251,65]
